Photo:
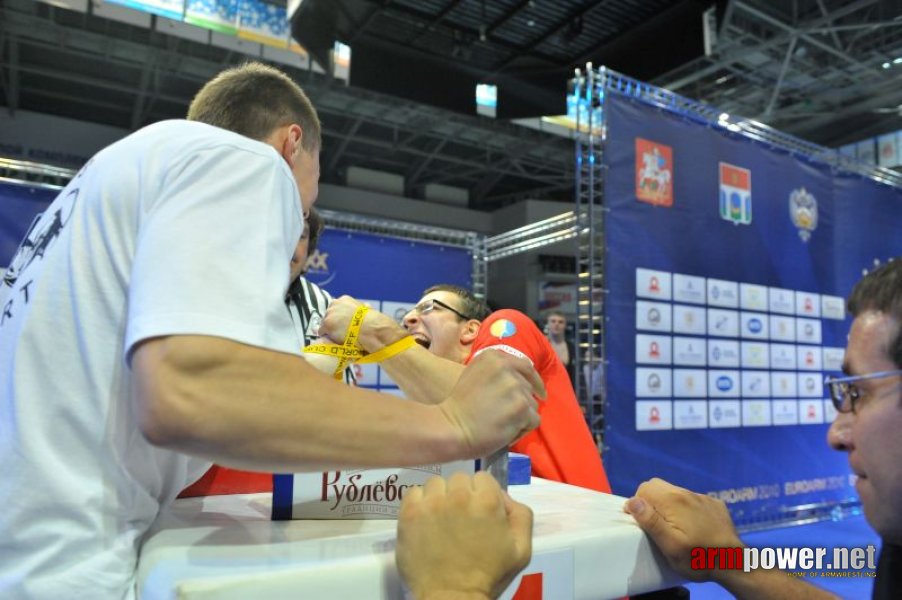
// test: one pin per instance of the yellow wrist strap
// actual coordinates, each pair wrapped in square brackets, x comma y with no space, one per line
[351,338]
[349,352]
[387,352]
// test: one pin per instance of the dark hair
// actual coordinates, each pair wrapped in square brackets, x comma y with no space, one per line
[471,306]
[881,291]
[254,100]
[315,225]
[555,313]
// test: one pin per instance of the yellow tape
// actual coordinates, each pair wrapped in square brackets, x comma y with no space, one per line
[387,352]
[349,352]
[334,350]
[351,338]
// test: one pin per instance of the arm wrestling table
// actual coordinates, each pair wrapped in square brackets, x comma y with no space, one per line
[226,547]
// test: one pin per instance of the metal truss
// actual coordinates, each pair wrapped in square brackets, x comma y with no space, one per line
[589,210]
[802,66]
[85,67]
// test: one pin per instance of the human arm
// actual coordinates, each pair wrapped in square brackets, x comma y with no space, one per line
[423,376]
[246,407]
[678,520]
[463,538]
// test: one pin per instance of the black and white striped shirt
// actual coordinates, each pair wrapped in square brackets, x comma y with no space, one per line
[307,303]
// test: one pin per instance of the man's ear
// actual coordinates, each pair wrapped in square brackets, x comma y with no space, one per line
[469,332]
[292,143]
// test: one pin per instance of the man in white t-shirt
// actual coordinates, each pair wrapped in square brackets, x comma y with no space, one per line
[144,335]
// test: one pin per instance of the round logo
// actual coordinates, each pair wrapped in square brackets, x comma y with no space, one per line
[654,316]
[755,325]
[502,328]
[724,383]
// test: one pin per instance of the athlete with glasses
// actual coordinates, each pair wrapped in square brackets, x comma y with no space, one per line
[451,327]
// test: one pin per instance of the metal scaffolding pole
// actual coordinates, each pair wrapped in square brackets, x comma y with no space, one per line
[590,352]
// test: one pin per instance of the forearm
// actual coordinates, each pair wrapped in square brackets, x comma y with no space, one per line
[250,408]
[422,376]
[770,585]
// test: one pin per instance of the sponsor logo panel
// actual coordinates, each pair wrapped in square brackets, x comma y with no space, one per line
[723,353]
[833,358]
[783,385]
[753,325]
[811,385]
[654,415]
[811,412]
[724,413]
[687,288]
[756,413]
[781,300]
[752,297]
[833,307]
[652,284]
[723,293]
[783,356]
[785,412]
[723,384]
[809,358]
[690,383]
[653,383]
[808,331]
[690,414]
[782,328]
[808,304]
[689,351]
[755,355]
[688,319]
[653,316]
[723,323]
[755,384]
[653,349]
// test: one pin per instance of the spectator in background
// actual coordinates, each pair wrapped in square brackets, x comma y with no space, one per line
[556,332]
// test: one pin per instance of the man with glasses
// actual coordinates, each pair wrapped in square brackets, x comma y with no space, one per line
[868,426]
[451,327]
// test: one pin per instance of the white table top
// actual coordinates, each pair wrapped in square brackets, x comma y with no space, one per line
[227,547]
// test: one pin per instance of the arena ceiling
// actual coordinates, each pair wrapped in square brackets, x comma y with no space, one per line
[822,70]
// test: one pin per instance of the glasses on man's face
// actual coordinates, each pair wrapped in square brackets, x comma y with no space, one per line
[846,395]
[429,305]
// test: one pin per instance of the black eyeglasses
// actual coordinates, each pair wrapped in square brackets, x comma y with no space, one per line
[845,394]
[429,305]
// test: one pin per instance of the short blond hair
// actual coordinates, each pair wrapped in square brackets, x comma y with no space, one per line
[254,100]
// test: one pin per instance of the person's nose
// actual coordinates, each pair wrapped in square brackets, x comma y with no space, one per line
[839,436]
[410,319]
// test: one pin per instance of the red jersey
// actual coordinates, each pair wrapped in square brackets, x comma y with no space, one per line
[561,448]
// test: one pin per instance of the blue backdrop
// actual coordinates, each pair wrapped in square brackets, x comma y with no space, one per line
[727,262]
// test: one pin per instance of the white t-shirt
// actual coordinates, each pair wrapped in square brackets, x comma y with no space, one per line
[180,228]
